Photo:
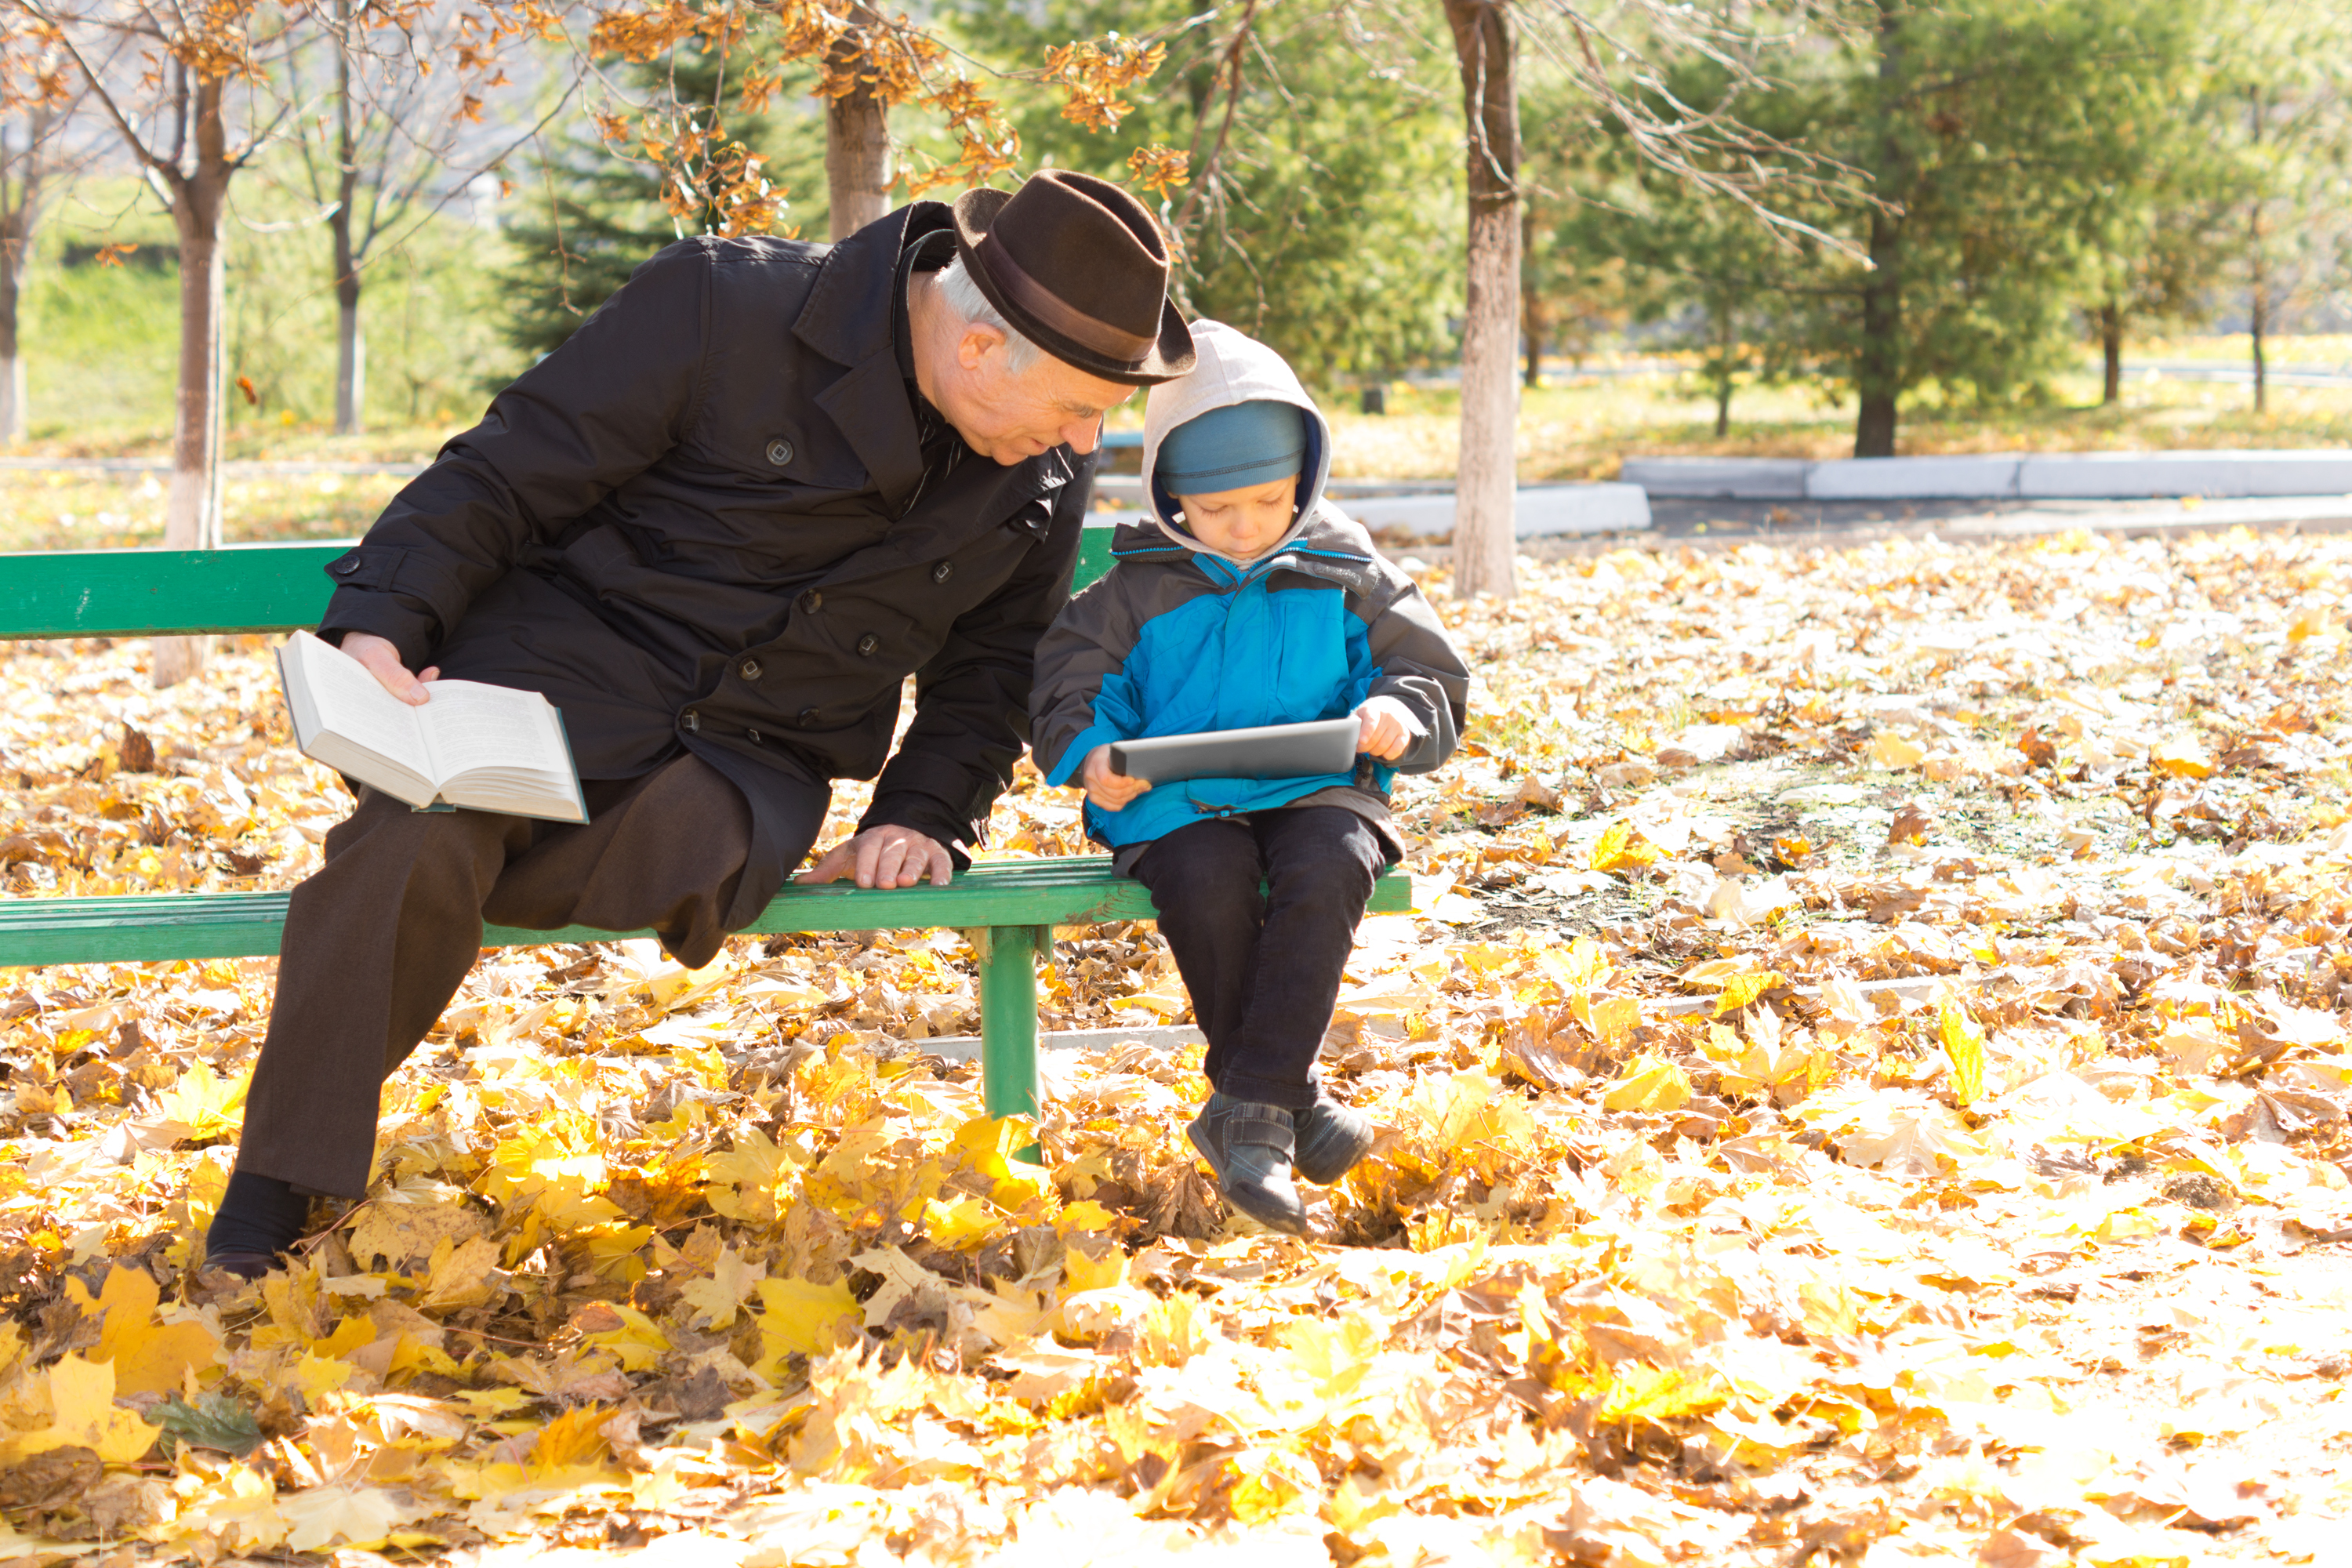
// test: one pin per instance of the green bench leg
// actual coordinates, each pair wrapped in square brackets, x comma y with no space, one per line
[1008,1015]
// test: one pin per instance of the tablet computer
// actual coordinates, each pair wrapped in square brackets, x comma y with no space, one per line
[1267,751]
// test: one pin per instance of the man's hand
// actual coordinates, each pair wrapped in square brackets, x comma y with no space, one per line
[1106,789]
[1388,728]
[884,856]
[382,661]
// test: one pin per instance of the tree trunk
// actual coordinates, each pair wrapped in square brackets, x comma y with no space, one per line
[858,172]
[1725,341]
[2111,344]
[1486,480]
[350,348]
[2257,280]
[191,512]
[1533,321]
[2262,368]
[13,247]
[20,220]
[1878,366]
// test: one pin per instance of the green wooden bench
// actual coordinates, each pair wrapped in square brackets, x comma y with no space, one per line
[1009,907]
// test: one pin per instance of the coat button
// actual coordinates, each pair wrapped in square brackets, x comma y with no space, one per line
[943,571]
[690,721]
[753,735]
[811,602]
[750,669]
[779,452]
[346,566]
[868,644]
[807,717]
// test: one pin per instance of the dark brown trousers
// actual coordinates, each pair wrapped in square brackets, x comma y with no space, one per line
[381,937]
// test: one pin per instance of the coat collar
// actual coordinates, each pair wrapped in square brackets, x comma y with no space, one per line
[1327,545]
[846,318]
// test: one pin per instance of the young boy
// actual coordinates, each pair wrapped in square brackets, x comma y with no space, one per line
[1247,599]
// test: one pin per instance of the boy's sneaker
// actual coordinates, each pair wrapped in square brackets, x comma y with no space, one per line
[1248,1143]
[1331,1138]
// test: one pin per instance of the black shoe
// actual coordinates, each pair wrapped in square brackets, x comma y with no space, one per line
[1248,1144]
[1331,1138]
[244,1265]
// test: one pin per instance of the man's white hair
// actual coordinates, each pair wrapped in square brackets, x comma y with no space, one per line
[972,309]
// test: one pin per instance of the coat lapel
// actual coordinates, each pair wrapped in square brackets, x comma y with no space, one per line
[847,319]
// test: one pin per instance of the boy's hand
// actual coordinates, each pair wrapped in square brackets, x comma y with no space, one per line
[1388,728]
[1106,789]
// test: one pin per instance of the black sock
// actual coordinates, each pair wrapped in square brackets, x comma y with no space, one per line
[259,1215]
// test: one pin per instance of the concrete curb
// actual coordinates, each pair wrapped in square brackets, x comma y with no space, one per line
[2017,476]
[1427,511]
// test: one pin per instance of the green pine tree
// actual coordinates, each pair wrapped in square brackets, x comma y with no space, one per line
[592,216]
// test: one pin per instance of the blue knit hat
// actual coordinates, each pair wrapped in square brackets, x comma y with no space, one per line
[1231,448]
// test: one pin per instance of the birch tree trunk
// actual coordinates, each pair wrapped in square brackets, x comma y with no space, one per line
[857,173]
[20,220]
[192,509]
[1486,481]
[350,347]
[15,245]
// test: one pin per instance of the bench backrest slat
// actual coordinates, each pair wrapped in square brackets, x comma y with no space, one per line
[242,588]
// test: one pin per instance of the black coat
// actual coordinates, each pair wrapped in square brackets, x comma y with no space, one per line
[696,526]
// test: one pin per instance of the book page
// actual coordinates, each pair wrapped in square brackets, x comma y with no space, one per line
[471,726]
[343,697]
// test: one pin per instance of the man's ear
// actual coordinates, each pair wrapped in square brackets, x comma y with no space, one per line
[974,346]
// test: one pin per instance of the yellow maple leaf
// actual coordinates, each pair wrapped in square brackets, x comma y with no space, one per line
[1080,1272]
[210,1104]
[963,1224]
[1336,1354]
[237,1509]
[1654,1393]
[638,1342]
[83,1415]
[148,1356]
[358,1516]
[465,1275]
[715,1299]
[2185,759]
[1743,989]
[398,1234]
[315,1374]
[1964,1044]
[798,1318]
[1622,849]
[1612,1020]
[575,1438]
[1889,750]
[1649,1083]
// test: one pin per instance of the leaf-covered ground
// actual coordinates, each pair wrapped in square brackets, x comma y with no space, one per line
[1868,1081]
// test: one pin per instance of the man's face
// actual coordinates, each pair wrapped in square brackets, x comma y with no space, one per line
[1008,419]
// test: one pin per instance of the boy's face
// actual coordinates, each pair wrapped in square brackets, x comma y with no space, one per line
[1242,523]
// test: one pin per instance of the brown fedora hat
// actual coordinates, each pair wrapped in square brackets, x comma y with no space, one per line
[1078,267]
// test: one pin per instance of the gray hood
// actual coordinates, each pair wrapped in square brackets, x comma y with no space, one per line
[1233,367]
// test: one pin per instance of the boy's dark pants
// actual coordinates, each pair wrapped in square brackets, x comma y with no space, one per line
[1261,912]
[378,940]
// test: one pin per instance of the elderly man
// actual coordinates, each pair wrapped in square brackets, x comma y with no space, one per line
[761,486]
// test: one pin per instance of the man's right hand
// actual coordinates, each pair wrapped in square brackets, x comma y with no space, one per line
[382,661]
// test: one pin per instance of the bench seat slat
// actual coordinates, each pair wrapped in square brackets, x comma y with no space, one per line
[238,588]
[1071,890]
[149,593]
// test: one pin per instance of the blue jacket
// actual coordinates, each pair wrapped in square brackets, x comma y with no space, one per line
[1173,641]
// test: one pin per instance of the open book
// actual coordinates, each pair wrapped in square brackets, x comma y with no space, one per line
[489,747]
